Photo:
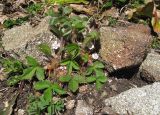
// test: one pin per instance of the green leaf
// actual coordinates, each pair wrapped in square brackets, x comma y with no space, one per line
[80,79]
[65,62]
[58,89]
[73,85]
[29,73]
[48,94]
[13,80]
[91,79]
[67,10]
[98,85]
[102,79]
[73,50]
[89,70]
[65,78]
[45,49]
[75,65]
[85,57]
[40,73]
[40,85]
[32,61]
[98,64]
[99,72]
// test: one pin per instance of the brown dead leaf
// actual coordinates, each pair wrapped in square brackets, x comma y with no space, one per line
[82,9]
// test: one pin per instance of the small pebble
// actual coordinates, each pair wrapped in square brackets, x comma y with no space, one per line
[70,104]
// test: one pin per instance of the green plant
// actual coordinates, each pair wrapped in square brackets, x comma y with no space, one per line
[95,74]
[39,105]
[156,43]
[9,23]
[112,21]
[34,8]
[137,3]
[32,69]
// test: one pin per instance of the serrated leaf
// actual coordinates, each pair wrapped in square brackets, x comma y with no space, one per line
[58,89]
[102,79]
[89,70]
[99,72]
[29,73]
[32,61]
[98,85]
[73,50]
[91,79]
[75,65]
[80,79]
[85,57]
[40,85]
[73,85]
[45,49]
[48,94]
[40,73]
[98,64]
[65,78]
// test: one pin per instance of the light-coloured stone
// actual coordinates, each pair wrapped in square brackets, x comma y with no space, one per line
[83,109]
[23,40]
[124,47]
[70,104]
[150,68]
[19,36]
[137,101]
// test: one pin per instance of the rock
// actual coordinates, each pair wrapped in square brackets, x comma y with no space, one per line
[124,47]
[83,109]
[1,8]
[150,68]
[23,40]
[21,112]
[137,101]
[70,104]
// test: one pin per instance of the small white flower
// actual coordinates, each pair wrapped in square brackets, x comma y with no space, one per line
[95,56]
[62,68]
[91,47]
[56,45]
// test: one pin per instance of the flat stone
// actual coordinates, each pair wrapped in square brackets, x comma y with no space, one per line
[83,109]
[136,101]
[19,36]
[23,40]
[150,68]
[124,47]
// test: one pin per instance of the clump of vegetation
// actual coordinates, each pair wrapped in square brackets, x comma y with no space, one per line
[9,23]
[72,51]
[156,43]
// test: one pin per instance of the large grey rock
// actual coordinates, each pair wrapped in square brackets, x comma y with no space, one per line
[23,40]
[124,47]
[83,109]
[137,101]
[150,68]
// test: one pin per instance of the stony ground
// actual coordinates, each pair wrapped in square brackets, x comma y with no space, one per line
[131,63]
